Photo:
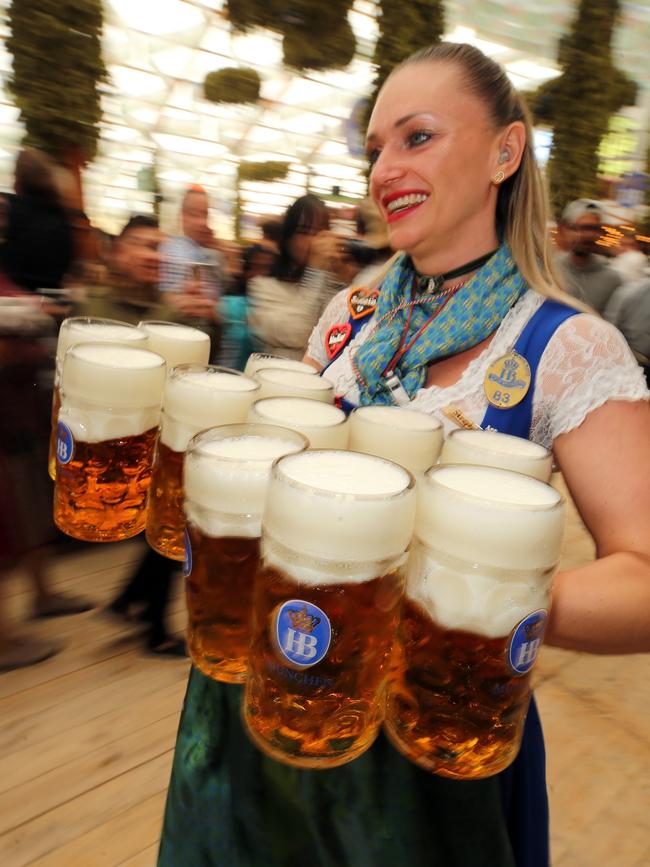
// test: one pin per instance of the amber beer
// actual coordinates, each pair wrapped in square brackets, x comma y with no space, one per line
[226,478]
[409,437]
[487,542]
[324,425]
[196,396]
[178,344]
[492,449]
[106,430]
[327,598]
[278,382]
[260,360]
[83,329]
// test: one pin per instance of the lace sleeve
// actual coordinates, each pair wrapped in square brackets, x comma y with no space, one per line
[586,363]
[336,311]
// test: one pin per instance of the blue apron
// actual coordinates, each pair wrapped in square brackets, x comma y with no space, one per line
[523,784]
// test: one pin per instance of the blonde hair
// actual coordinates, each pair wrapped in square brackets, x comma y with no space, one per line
[522,206]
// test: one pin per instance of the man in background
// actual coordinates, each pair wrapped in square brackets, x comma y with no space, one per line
[585,274]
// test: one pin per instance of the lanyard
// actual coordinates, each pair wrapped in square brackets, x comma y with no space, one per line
[391,379]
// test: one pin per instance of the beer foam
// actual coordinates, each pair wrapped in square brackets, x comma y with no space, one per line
[260,360]
[85,330]
[340,506]
[479,600]
[178,344]
[226,479]
[197,399]
[277,382]
[397,417]
[109,390]
[493,449]
[410,438]
[490,517]
[325,426]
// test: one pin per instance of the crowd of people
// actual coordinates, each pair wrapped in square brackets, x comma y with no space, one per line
[459,200]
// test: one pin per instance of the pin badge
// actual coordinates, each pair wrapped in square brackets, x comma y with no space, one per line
[507,381]
[336,338]
[362,302]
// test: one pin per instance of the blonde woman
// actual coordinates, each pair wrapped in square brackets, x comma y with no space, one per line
[454,176]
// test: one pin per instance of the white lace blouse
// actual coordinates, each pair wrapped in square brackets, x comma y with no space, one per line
[586,363]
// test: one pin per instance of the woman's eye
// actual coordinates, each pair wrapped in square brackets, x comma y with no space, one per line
[418,137]
[372,155]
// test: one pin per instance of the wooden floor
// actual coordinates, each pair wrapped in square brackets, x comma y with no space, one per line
[86,738]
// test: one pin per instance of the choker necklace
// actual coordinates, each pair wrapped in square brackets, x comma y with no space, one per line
[431,285]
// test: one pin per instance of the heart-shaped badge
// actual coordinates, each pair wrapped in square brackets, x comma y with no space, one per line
[362,302]
[336,338]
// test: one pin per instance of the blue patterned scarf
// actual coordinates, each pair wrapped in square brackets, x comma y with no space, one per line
[471,315]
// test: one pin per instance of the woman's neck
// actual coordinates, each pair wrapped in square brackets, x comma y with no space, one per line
[453,255]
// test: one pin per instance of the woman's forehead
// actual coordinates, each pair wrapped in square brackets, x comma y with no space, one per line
[426,87]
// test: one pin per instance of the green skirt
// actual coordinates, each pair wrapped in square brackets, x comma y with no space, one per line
[230,806]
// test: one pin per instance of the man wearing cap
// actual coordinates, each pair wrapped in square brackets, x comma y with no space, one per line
[585,274]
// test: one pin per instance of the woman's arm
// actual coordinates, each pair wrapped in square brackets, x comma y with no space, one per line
[604,607]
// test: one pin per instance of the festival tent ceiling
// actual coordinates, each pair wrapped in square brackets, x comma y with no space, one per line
[158,55]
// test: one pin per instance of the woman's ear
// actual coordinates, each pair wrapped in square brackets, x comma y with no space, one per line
[510,150]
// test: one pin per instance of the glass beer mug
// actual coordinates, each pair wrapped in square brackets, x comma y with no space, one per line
[106,431]
[260,360]
[226,477]
[324,425]
[178,344]
[85,329]
[487,543]
[492,449]
[335,532]
[278,382]
[411,438]
[196,396]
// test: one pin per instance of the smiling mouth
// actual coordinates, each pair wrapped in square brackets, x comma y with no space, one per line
[401,205]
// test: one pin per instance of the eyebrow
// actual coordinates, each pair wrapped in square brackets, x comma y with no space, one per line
[400,122]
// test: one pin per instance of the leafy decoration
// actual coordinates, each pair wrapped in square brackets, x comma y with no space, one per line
[57,71]
[232,85]
[578,104]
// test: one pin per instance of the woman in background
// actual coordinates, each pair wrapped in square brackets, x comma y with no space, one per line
[284,306]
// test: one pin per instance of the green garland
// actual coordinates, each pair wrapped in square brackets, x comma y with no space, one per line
[579,103]
[645,225]
[267,172]
[403,29]
[232,85]
[316,33]
[57,70]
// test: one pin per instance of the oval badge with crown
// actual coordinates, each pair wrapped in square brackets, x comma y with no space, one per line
[302,632]
[507,380]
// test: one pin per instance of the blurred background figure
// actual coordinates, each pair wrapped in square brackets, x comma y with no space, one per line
[285,305]
[584,274]
[271,228]
[372,249]
[27,532]
[192,269]
[38,248]
[629,262]
[131,291]
[629,310]
[237,342]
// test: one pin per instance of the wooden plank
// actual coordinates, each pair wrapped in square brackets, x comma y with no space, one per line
[147,858]
[119,841]
[51,743]
[50,831]
[112,760]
